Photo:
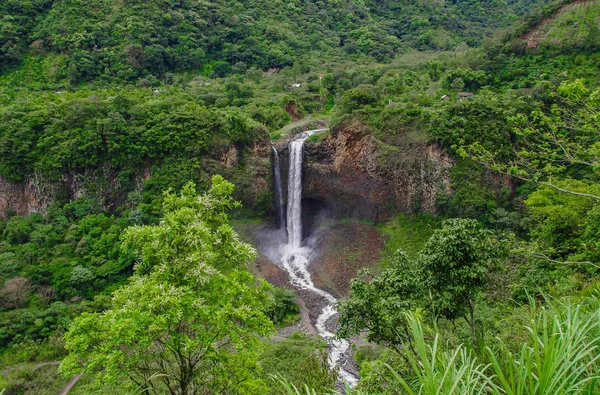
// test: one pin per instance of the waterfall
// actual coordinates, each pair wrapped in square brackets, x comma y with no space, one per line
[296,259]
[278,191]
[294,208]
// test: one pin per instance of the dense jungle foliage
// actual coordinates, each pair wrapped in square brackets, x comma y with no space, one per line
[497,294]
[123,41]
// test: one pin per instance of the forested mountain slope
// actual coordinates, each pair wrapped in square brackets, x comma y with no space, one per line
[128,39]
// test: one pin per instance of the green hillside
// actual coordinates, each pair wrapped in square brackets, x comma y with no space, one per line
[124,40]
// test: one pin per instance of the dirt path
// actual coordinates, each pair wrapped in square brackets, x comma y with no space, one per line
[65,391]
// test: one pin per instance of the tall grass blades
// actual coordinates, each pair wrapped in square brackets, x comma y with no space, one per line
[560,357]
[441,372]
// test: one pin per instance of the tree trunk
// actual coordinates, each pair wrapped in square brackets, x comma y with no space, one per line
[472,323]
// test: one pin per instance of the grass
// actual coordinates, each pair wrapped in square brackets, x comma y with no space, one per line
[33,379]
[408,232]
[300,361]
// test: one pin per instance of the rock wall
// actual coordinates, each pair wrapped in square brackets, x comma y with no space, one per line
[35,193]
[25,197]
[350,172]
[248,167]
[356,175]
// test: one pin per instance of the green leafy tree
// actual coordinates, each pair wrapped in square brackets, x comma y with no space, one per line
[446,279]
[559,143]
[188,321]
[356,98]
[456,262]
[563,228]
[379,305]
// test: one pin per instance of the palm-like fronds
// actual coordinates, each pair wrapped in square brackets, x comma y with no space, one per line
[437,371]
[560,357]
[288,388]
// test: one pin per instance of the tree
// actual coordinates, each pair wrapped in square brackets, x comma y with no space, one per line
[445,279]
[380,305]
[188,321]
[564,226]
[14,292]
[82,277]
[549,146]
[456,262]
[356,98]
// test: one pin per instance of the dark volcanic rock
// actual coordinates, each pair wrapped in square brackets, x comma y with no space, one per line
[357,176]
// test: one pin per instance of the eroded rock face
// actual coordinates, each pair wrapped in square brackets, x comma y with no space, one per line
[248,167]
[36,193]
[358,176]
[25,197]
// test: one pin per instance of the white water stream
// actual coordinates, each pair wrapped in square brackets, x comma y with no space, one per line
[278,190]
[295,259]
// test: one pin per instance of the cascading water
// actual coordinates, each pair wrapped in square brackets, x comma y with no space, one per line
[294,220]
[295,258]
[278,191]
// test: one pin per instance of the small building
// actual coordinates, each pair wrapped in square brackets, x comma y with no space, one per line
[295,85]
[445,97]
[465,95]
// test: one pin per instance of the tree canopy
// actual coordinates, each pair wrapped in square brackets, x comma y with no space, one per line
[445,280]
[188,321]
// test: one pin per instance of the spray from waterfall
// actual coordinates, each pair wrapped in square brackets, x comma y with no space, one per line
[278,191]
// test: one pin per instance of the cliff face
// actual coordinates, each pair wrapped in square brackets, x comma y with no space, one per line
[35,193]
[350,173]
[355,175]
[248,167]
[24,197]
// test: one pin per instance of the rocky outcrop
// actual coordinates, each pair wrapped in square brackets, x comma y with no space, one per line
[24,197]
[36,193]
[249,167]
[356,175]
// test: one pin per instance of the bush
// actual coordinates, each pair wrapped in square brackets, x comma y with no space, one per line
[285,309]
